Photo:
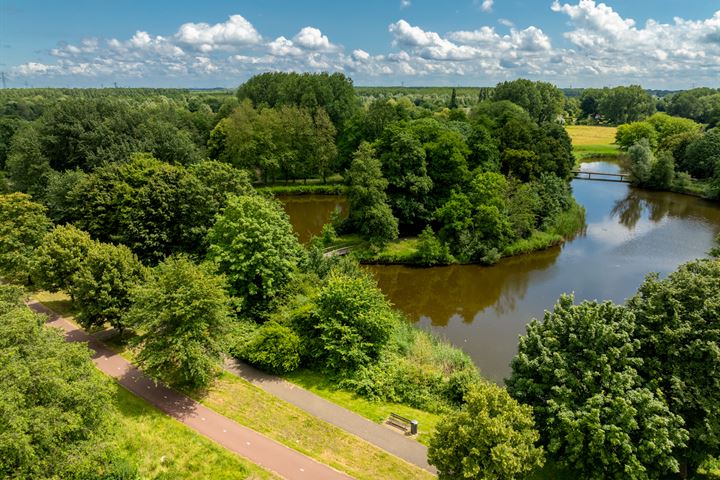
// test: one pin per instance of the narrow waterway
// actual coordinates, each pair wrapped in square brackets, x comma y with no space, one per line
[483,310]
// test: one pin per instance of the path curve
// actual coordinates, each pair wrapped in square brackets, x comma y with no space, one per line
[383,437]
[248,443]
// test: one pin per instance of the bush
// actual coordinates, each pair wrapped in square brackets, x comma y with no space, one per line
[348,324]
[274,348]
[430,250]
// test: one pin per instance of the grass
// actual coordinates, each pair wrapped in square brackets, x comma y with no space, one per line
[250,406]
[536,241]
[299,189]
[378,412]
[164,448]
[402,250]
[593,141]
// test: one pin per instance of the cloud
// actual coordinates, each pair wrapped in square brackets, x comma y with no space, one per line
[603,47]
[205,37]
[405,3]
[312,39]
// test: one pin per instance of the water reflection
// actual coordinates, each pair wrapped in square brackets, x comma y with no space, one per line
[308,213]
[629,234]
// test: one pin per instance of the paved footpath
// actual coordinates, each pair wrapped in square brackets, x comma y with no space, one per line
[381,436]
[248,443]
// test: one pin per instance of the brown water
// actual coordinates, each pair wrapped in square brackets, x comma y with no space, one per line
[483,310]
[308,213]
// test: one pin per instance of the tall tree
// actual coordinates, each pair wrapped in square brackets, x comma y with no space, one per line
[253,244]
[182,314]
[678,328]
[23,225]
[56,406]
[59,257]
[101,287]
[626,104]
[578,369]
[370,214]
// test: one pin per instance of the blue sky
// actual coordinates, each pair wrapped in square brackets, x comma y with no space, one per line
[657,43]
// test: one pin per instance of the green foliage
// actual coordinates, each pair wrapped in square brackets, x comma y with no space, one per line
[702,155]
[349,323]
[101,287]
[253,244]
[625,104]
[678,329]
[59,257]
[55,406]
[27,166]
[430,250]
[23,225]
[370,214]
[491,437]
[544,101]
[405,168]
[332,92]
[182,315]
[578,369]
[57,194]
[641,160]
[631,133]
[153,207]
[274,348]
[416,369]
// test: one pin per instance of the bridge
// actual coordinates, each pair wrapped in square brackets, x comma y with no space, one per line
[602,176]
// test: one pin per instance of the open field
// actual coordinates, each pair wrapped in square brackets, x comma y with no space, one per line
[593,141]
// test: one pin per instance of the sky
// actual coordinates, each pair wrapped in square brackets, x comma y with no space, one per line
[663,44]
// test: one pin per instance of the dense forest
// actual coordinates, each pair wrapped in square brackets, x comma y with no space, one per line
[146,207]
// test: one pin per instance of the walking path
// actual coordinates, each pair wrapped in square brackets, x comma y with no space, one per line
[248,443]
[389,440]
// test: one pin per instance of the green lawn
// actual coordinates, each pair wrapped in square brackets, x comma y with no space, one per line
[164,448]
[378,412]
[253,407]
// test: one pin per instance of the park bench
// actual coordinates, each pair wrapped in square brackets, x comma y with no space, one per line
[403,423]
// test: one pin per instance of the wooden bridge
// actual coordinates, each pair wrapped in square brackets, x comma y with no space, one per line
[602,176]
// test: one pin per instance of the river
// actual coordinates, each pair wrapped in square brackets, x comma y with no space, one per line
[483,310]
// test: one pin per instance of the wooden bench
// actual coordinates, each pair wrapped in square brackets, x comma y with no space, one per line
[403,423]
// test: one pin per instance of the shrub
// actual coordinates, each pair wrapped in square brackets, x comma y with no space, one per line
[274,348]
[430,250]
[351,322]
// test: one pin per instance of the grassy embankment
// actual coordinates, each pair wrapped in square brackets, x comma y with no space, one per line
[593,142]
[160,446]
[332,186]
[253,407]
